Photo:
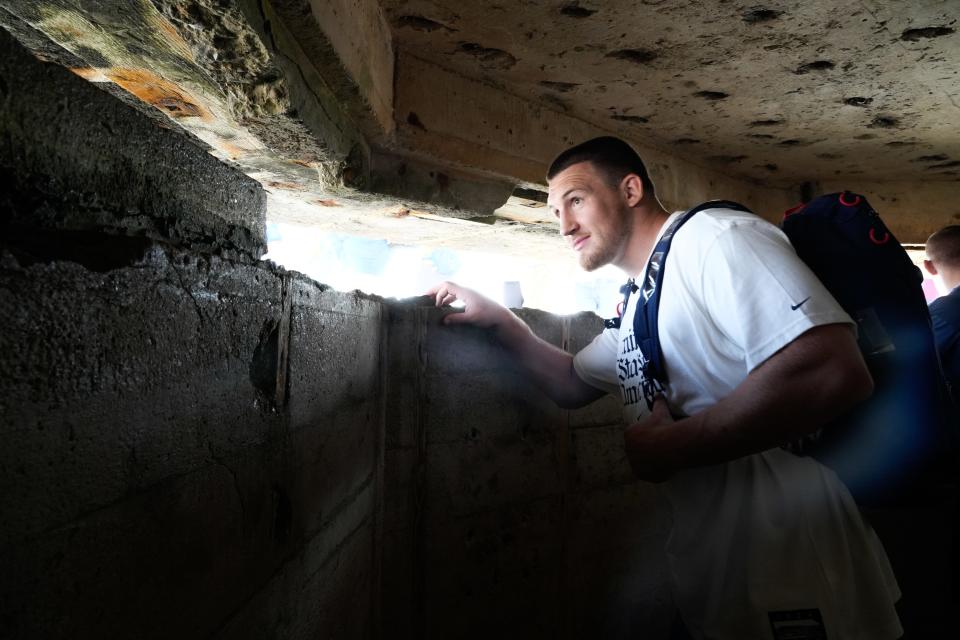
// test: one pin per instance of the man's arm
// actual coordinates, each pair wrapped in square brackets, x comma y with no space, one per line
[794,392]
[550,367]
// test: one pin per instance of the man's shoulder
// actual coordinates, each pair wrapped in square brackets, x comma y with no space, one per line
[947,307]
[737,226]
[720,218]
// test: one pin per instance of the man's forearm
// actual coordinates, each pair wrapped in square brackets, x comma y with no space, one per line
[550,367]
[811,381]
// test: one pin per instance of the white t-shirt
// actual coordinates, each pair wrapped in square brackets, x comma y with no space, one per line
[771,537]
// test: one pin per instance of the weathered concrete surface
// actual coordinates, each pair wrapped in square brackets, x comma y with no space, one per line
[781,92]
[201,445]
[173,466]
[63,156]
[331,118]
[461,194]
[505,516]
[490,130]
[351,43]
[441,106]
[175,470]
[145,447]
[153,482]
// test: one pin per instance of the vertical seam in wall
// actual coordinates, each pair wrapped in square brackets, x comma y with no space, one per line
[380,469]
[419,484]
[563,439]
[283,344]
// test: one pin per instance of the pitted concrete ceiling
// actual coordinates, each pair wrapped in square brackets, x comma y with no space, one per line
[783,91]
[362,108]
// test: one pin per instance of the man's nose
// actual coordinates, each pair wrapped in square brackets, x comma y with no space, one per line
[568,225]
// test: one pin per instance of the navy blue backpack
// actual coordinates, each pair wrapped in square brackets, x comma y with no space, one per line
[904,435]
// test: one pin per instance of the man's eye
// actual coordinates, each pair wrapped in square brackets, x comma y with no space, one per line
[577,201]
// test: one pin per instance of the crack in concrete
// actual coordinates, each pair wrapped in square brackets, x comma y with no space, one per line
[952,101]
[287,561]
[336,552]
[187,290]
[218,460]
[342,506]
[283,345]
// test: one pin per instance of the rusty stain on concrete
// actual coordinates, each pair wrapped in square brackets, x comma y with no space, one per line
[163,94]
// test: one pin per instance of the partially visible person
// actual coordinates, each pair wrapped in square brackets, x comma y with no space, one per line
[764,545]
[943,262]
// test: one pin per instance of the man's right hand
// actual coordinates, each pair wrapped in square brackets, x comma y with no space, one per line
[478,310]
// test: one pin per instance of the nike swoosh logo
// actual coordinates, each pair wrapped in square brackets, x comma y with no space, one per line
[794,307]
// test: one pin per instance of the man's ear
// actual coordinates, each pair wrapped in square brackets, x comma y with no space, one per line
[632,188]
[930,267]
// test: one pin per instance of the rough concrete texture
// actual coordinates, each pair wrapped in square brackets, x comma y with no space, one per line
[130,45]
[173,466]
[202,445]
[160,480]
[492,131]
[782,92]
[461,195]
[60,157]
[330,118]
[199,454]
[261,83]
[505,516]
[744,101]
[351,42]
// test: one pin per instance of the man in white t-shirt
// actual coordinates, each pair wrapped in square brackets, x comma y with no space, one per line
[764,544]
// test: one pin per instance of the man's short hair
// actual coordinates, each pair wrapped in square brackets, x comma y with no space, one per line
[943,247]
[613,157]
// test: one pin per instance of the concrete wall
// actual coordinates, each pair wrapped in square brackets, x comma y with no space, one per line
[152,485]
[505,516]
[191,437]
[200,444]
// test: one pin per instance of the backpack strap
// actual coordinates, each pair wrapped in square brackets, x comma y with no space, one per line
[645,324]
[626,290]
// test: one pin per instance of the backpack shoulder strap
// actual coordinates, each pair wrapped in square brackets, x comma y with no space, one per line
[631,287]
[645,323]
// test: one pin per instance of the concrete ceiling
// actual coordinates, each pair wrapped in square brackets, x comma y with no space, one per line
[782,91]
[353,108]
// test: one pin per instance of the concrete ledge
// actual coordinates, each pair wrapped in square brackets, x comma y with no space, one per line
[76,158]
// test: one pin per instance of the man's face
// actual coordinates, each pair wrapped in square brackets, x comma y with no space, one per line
[593,215]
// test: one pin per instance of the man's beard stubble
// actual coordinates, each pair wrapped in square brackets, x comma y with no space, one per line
[607,244]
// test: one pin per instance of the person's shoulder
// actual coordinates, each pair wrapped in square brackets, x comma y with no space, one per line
[724,218]
[708,224]
[947,306]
